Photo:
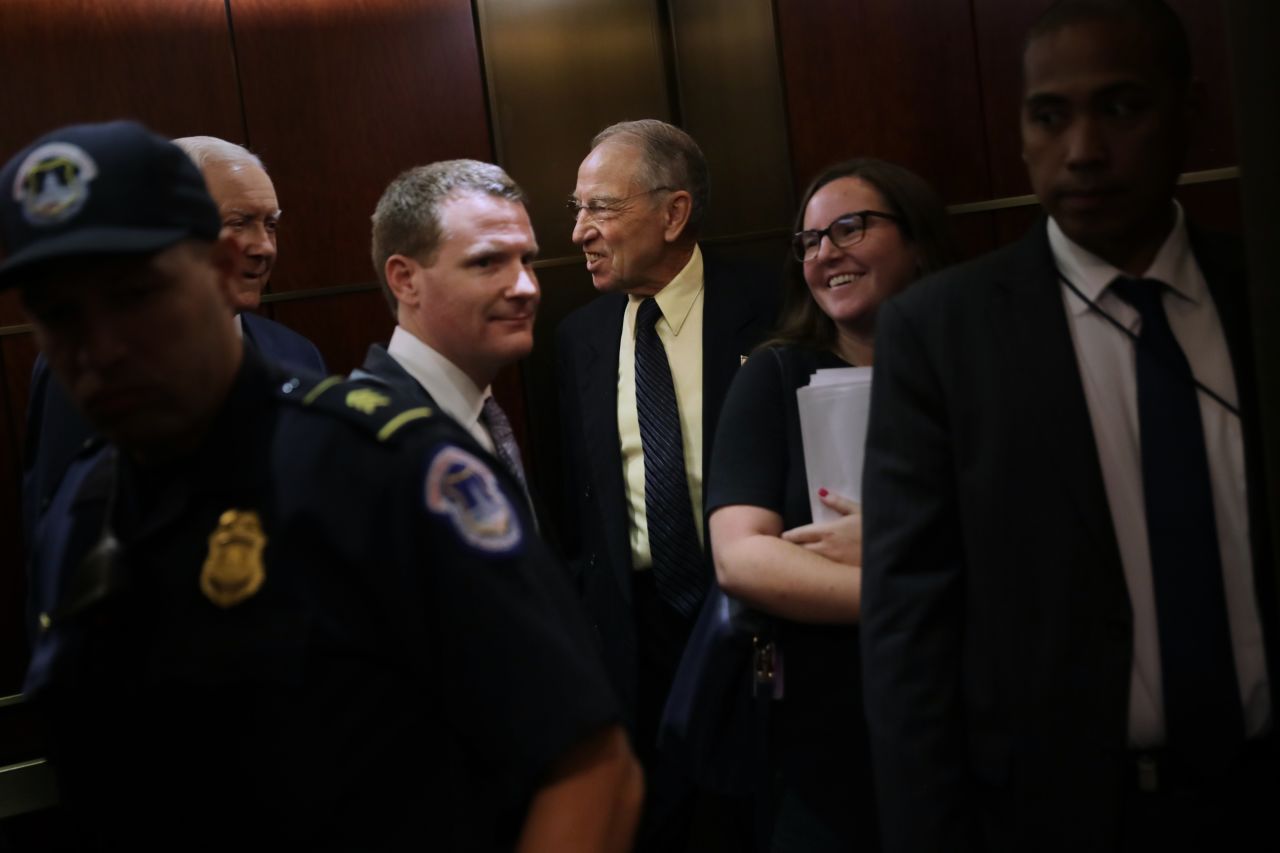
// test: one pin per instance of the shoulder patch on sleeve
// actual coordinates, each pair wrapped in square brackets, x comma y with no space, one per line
[464,490]
[377,408]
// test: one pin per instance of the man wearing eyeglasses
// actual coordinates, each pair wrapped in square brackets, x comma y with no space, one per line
[643,370]
[1069,624]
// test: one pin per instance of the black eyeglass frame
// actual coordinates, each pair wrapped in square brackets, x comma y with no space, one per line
[802,254]
[607,206]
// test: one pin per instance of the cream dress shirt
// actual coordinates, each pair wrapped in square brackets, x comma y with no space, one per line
[680,330]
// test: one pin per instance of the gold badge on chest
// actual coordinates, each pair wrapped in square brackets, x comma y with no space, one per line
[233,570]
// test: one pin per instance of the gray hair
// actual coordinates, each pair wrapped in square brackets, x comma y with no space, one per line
[204,150]
[407,218]
[668,158]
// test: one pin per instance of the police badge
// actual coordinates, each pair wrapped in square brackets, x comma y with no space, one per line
[233,571]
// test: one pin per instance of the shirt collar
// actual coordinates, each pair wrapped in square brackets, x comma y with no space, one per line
[448,385]
[1173,264]
[677,299]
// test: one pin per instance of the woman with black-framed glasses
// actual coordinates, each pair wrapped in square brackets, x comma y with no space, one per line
[866,229]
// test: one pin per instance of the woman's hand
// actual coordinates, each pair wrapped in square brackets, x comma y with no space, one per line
[839,540]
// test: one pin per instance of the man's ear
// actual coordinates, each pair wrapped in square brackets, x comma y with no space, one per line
[675,215]
[399,271]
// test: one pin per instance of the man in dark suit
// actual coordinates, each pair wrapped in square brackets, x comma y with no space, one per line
[1068,593]
[635,543]
[454,248]
[246,201]
[56,431]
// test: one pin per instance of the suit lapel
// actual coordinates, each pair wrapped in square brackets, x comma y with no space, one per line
[1029,319]
[598,391]
[729,331]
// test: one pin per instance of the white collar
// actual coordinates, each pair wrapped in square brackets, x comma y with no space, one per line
[1174,264]
[448,385]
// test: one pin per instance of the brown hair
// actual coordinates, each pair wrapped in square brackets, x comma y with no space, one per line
[407,218]
[921,218]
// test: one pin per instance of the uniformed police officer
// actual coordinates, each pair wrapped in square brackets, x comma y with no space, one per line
[279,613]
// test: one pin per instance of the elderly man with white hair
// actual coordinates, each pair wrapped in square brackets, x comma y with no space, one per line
[246,199]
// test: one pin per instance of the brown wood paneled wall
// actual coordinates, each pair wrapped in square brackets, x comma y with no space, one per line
[936,86]
[337,96]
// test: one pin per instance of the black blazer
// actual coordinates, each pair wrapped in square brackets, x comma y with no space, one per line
[282,345]
[739,308]
[997,633]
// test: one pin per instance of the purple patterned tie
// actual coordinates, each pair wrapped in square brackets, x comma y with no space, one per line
[504,442]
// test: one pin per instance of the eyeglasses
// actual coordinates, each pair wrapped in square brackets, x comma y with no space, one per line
[602,209]
[845,230]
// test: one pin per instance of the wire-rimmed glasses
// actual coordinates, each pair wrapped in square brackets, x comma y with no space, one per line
[605,208]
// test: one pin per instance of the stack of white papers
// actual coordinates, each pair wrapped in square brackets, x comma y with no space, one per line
[833,427]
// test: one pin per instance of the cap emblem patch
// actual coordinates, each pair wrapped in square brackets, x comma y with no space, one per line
[53,183]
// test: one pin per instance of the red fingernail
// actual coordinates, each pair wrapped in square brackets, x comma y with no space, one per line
[822,493]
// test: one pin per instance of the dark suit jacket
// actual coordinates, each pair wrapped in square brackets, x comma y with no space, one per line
[56,431]
[282,345]
[739,308]
[997,632]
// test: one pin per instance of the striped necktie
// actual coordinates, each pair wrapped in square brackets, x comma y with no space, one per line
[679,570]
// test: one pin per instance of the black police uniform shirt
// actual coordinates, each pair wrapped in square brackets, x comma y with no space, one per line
[819,734]
[331,627]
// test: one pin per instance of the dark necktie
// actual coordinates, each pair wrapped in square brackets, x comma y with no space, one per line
[1204,722]
[678,566]
[504,442]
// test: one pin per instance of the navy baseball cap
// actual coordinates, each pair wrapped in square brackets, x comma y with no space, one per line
[99,189]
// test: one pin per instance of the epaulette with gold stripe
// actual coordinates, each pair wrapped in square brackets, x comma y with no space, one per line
[374,407]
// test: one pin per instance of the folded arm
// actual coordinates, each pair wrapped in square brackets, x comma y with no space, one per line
[755,565]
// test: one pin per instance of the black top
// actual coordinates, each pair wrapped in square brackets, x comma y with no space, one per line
[758,460]
[407,672]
